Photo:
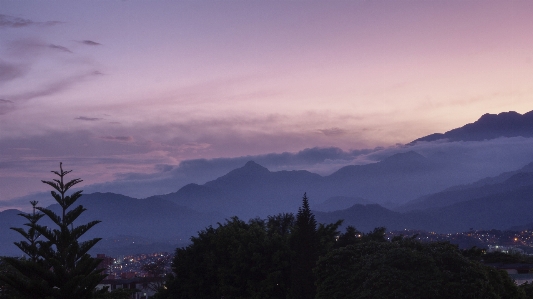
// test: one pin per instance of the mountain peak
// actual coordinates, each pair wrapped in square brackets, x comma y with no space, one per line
[489,126]
[250,168]
[251,164]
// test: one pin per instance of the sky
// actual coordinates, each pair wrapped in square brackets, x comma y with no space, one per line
[118,89]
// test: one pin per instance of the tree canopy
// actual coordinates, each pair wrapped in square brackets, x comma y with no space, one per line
[261,258]
[407,268]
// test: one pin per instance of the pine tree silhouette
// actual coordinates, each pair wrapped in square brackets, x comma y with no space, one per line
[59,266]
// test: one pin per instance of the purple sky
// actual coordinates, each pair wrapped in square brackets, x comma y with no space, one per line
[118,87]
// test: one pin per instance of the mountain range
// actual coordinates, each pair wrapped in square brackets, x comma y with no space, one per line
[427,194]
[489,126]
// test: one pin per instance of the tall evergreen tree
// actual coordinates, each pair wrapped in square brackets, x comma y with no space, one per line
[305,246]
[30,247]
[59,266]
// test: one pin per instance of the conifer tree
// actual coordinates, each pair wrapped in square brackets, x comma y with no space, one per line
[30,247]
[304,244]
[59,266]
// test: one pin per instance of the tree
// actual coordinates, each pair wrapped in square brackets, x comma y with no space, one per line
[408,268]
[305,245]
[237,259]
[59,266]
[260,258]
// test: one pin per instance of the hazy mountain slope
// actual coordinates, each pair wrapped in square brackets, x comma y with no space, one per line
[397,178]
[510,208]
[10,218]
[337,203]
[153,218]
[253,190]
[505,182]
[498,211]
[493,180]
[249,191]
[489,126]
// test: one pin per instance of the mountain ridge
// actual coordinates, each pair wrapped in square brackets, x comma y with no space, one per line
[488,126]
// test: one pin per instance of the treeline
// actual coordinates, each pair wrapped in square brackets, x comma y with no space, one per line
[287,256]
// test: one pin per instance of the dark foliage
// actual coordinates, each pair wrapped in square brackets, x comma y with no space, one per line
[234,260]
[254,259]
[305,246]
[408,269]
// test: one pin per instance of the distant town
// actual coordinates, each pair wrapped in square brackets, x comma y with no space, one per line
[492,240]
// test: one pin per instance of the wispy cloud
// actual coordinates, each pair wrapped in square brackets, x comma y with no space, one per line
[118,138]
[17,22]
[52,88]
[30,48]
[333,131]
[9,71]
[90,43]
[85,118]
[194,146]
[6,106]
[60,48]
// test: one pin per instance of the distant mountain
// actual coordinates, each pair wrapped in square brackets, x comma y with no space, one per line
[496,211]
[501,184]
[511,208]
[397,178]
[10,218]
[249,191]
[161,222]
[153,219]
[489,126]
[337,203]
[501,202]
[253,190]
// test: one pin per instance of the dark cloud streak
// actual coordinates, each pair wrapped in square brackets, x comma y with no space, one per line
[84,118]
[53,88]
[60,48]
[10,71]
[90,43]
[16,22]
[118,138]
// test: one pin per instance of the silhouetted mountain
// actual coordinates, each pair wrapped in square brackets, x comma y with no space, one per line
[249,191]
[253,190]
[489,126]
